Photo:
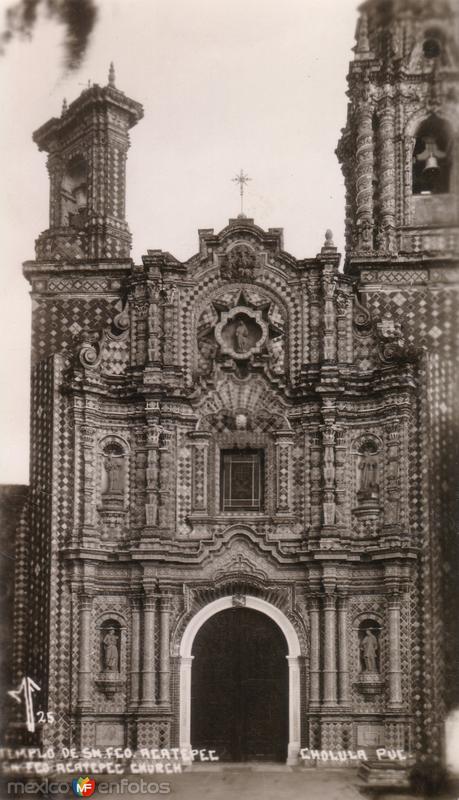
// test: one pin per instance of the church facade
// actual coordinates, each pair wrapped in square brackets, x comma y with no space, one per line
[240,531]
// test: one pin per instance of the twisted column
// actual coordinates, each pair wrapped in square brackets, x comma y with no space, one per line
[386,170]
[364,177]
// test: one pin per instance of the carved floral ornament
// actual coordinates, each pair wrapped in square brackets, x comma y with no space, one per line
[240,263]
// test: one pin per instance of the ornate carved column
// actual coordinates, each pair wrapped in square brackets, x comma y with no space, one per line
[329,318]
[395,670]
[343,650]
[386,170]
[314,320]
[329,506]
[166,481]
[152,473]
[364,176]
[85,651]
[314,663]
[330,698]
[148,666]
[87,434]
[164,658]
[283,442]
[135,650]
[154,324]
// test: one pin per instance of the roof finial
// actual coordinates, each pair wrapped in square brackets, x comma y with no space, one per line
[242,180]
[64,106]
[328,238]
[363,43]
[111,75]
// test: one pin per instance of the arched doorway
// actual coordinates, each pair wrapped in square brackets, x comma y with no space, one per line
[292,658]
[239,687]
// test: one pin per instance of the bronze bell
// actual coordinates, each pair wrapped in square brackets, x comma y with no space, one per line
[431,164]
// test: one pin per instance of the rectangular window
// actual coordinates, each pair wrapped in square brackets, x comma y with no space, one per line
[241,480]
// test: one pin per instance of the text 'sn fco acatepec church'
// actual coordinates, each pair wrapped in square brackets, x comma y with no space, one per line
[240,530]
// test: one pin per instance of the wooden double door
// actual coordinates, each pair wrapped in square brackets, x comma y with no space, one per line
[239,687]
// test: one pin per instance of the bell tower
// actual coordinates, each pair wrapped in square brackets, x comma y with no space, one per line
[399,150]
[87,149]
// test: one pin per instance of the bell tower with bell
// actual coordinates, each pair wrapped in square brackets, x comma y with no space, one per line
[399,153]
[399,150]
[87,149]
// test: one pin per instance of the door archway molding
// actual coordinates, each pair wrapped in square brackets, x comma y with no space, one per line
[293,659]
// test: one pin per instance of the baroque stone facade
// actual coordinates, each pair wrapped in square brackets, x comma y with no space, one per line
[250,429]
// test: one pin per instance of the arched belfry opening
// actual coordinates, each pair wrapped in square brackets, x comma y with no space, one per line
[239,687]
[432,157]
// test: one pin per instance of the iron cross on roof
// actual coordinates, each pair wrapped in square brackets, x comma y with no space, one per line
[242,180]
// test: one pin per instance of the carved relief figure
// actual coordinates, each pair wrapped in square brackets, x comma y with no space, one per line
[277,360]
[206,354]
[111,655]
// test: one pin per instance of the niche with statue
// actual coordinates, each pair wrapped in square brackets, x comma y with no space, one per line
[111,645]
[369,640]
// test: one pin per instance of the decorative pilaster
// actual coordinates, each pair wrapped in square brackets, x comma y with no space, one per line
[329,319]
[283,443]
[135,651]
[148,667]
[395,670]
[154,325]
[164,658]
[87,434]
[314,320]
[314,662]
[329,507]
[151,506]
[330,694]
[343,651]
[200,457]
[166,479]
[85,652]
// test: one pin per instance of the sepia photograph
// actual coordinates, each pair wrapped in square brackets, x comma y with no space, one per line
[229,463]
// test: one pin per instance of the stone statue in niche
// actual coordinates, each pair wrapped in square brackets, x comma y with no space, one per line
[369,647]
[113,465]
[114,469]
[241,337]
[111,653]
[368,471]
